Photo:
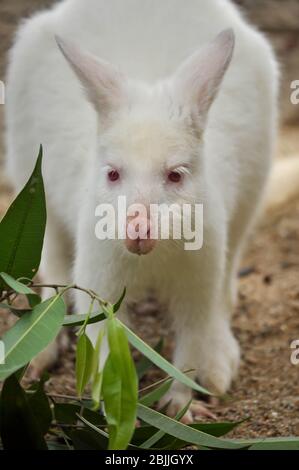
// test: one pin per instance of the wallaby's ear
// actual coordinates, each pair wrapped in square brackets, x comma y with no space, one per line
[102,82]
[198,79]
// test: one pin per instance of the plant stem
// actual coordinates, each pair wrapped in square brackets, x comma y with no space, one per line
[67,397]
[83,327]
[66,288]
[94,296]
[159,382]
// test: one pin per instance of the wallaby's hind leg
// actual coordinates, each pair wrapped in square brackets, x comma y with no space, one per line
[55,268]
[234,255]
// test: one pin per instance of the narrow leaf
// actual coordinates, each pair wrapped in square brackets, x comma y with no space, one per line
[40,406]
[162,363]
[160,434]
[84,358]
[275,443]
[18,312]
[85,439]
[155,395]
[31,334]
[118,304]
[67,413]
[19,428]
[21,288]
[22,229]
[184,432]
[96,390]
[79,320]
[145,364]
[120,391]
[15,285]
[103,435]
[97,374]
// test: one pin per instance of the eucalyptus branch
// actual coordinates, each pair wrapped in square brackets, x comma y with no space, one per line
[6,295]
[67,397]
[83,327]
[94,296]
[65,288]
[82,399]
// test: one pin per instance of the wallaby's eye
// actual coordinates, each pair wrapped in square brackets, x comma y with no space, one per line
[113,175]
[174,177]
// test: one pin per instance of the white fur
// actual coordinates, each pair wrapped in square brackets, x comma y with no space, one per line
[283,186]
[150,112]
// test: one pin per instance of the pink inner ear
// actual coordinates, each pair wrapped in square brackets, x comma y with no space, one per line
[199,78]
[103,83]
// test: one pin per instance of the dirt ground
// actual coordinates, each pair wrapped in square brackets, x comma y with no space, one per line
[266,319]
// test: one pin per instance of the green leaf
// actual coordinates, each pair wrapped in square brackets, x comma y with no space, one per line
[145,364]
[40,406]
[31,334]
[18,312]
[22,229]
[97,353]
[79,320]
[19,428]
[149,443]
[118,304]
[155,395]
[54,445]
[162,363]
[120,391]
[86,439]
[275,443]
[170,443]
[17,286]
[21,288]
[184,432]
[67,413]
[96,390]
[143,433]
[112,395]
[97,374]
[84,363]
[34,300]
[19,374]
[102,435]
[214,429]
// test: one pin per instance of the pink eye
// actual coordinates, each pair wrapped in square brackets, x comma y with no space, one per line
[174,177]
[113,176]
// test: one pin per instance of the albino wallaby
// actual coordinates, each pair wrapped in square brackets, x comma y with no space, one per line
[182,116]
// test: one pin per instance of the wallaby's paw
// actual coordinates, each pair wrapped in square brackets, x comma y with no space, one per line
[219,366]
[44,361]
[197,411]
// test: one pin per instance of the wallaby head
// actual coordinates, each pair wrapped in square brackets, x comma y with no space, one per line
[150,141]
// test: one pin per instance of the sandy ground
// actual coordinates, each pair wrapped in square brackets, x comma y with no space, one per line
[266,319]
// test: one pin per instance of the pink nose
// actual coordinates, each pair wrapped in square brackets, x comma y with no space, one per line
[139,232]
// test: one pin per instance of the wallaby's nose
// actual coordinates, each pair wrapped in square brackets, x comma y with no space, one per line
[139,235]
